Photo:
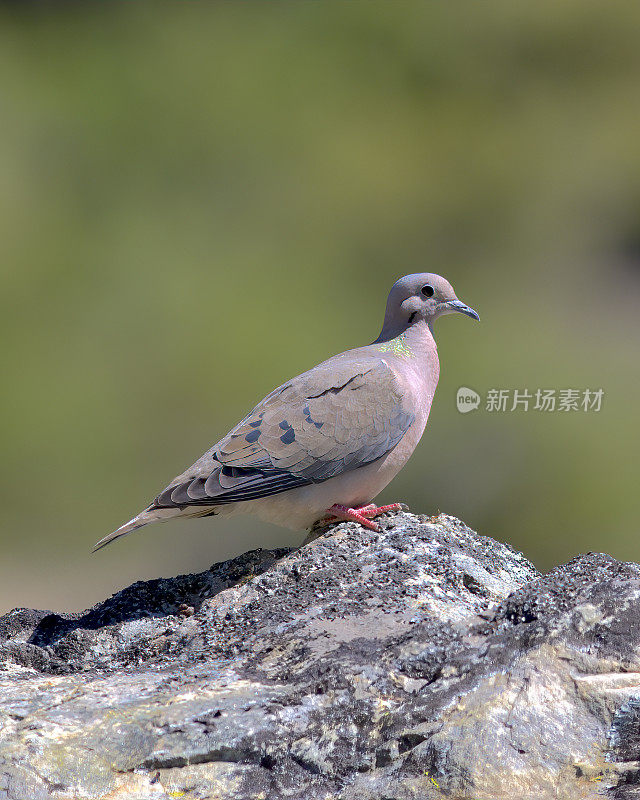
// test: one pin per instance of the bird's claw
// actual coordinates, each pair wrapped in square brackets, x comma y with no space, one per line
[363,514]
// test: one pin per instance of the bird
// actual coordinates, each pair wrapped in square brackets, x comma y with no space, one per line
[320,447]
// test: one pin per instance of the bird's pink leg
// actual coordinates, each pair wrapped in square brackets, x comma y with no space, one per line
[363,514]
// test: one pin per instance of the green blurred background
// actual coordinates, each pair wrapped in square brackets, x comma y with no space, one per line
[198,201]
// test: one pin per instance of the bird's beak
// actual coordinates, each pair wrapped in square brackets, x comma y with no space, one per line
[460,307]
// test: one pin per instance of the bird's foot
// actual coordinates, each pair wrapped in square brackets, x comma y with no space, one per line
[363,514]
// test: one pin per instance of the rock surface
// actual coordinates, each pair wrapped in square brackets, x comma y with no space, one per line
[420,662]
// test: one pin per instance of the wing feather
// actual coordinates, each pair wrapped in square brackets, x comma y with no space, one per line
[341,415]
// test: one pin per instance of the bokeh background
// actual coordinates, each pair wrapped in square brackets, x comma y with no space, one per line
[198,201]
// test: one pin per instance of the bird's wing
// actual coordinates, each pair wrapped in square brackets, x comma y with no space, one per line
[337,417]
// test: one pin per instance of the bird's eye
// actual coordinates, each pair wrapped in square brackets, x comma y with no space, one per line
[427,290]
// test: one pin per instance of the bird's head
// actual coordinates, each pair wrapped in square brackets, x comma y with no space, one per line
[420,297]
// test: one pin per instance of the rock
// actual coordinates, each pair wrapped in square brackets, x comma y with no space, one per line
[424,661]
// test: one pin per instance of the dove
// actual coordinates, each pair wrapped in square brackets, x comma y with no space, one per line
[323,445]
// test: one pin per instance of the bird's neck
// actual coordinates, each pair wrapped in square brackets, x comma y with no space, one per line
[412,340]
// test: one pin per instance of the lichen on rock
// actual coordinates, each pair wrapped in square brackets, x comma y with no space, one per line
[422,661]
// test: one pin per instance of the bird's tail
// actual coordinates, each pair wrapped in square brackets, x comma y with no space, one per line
[144,518]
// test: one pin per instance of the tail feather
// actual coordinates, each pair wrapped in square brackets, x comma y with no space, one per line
[144,518]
